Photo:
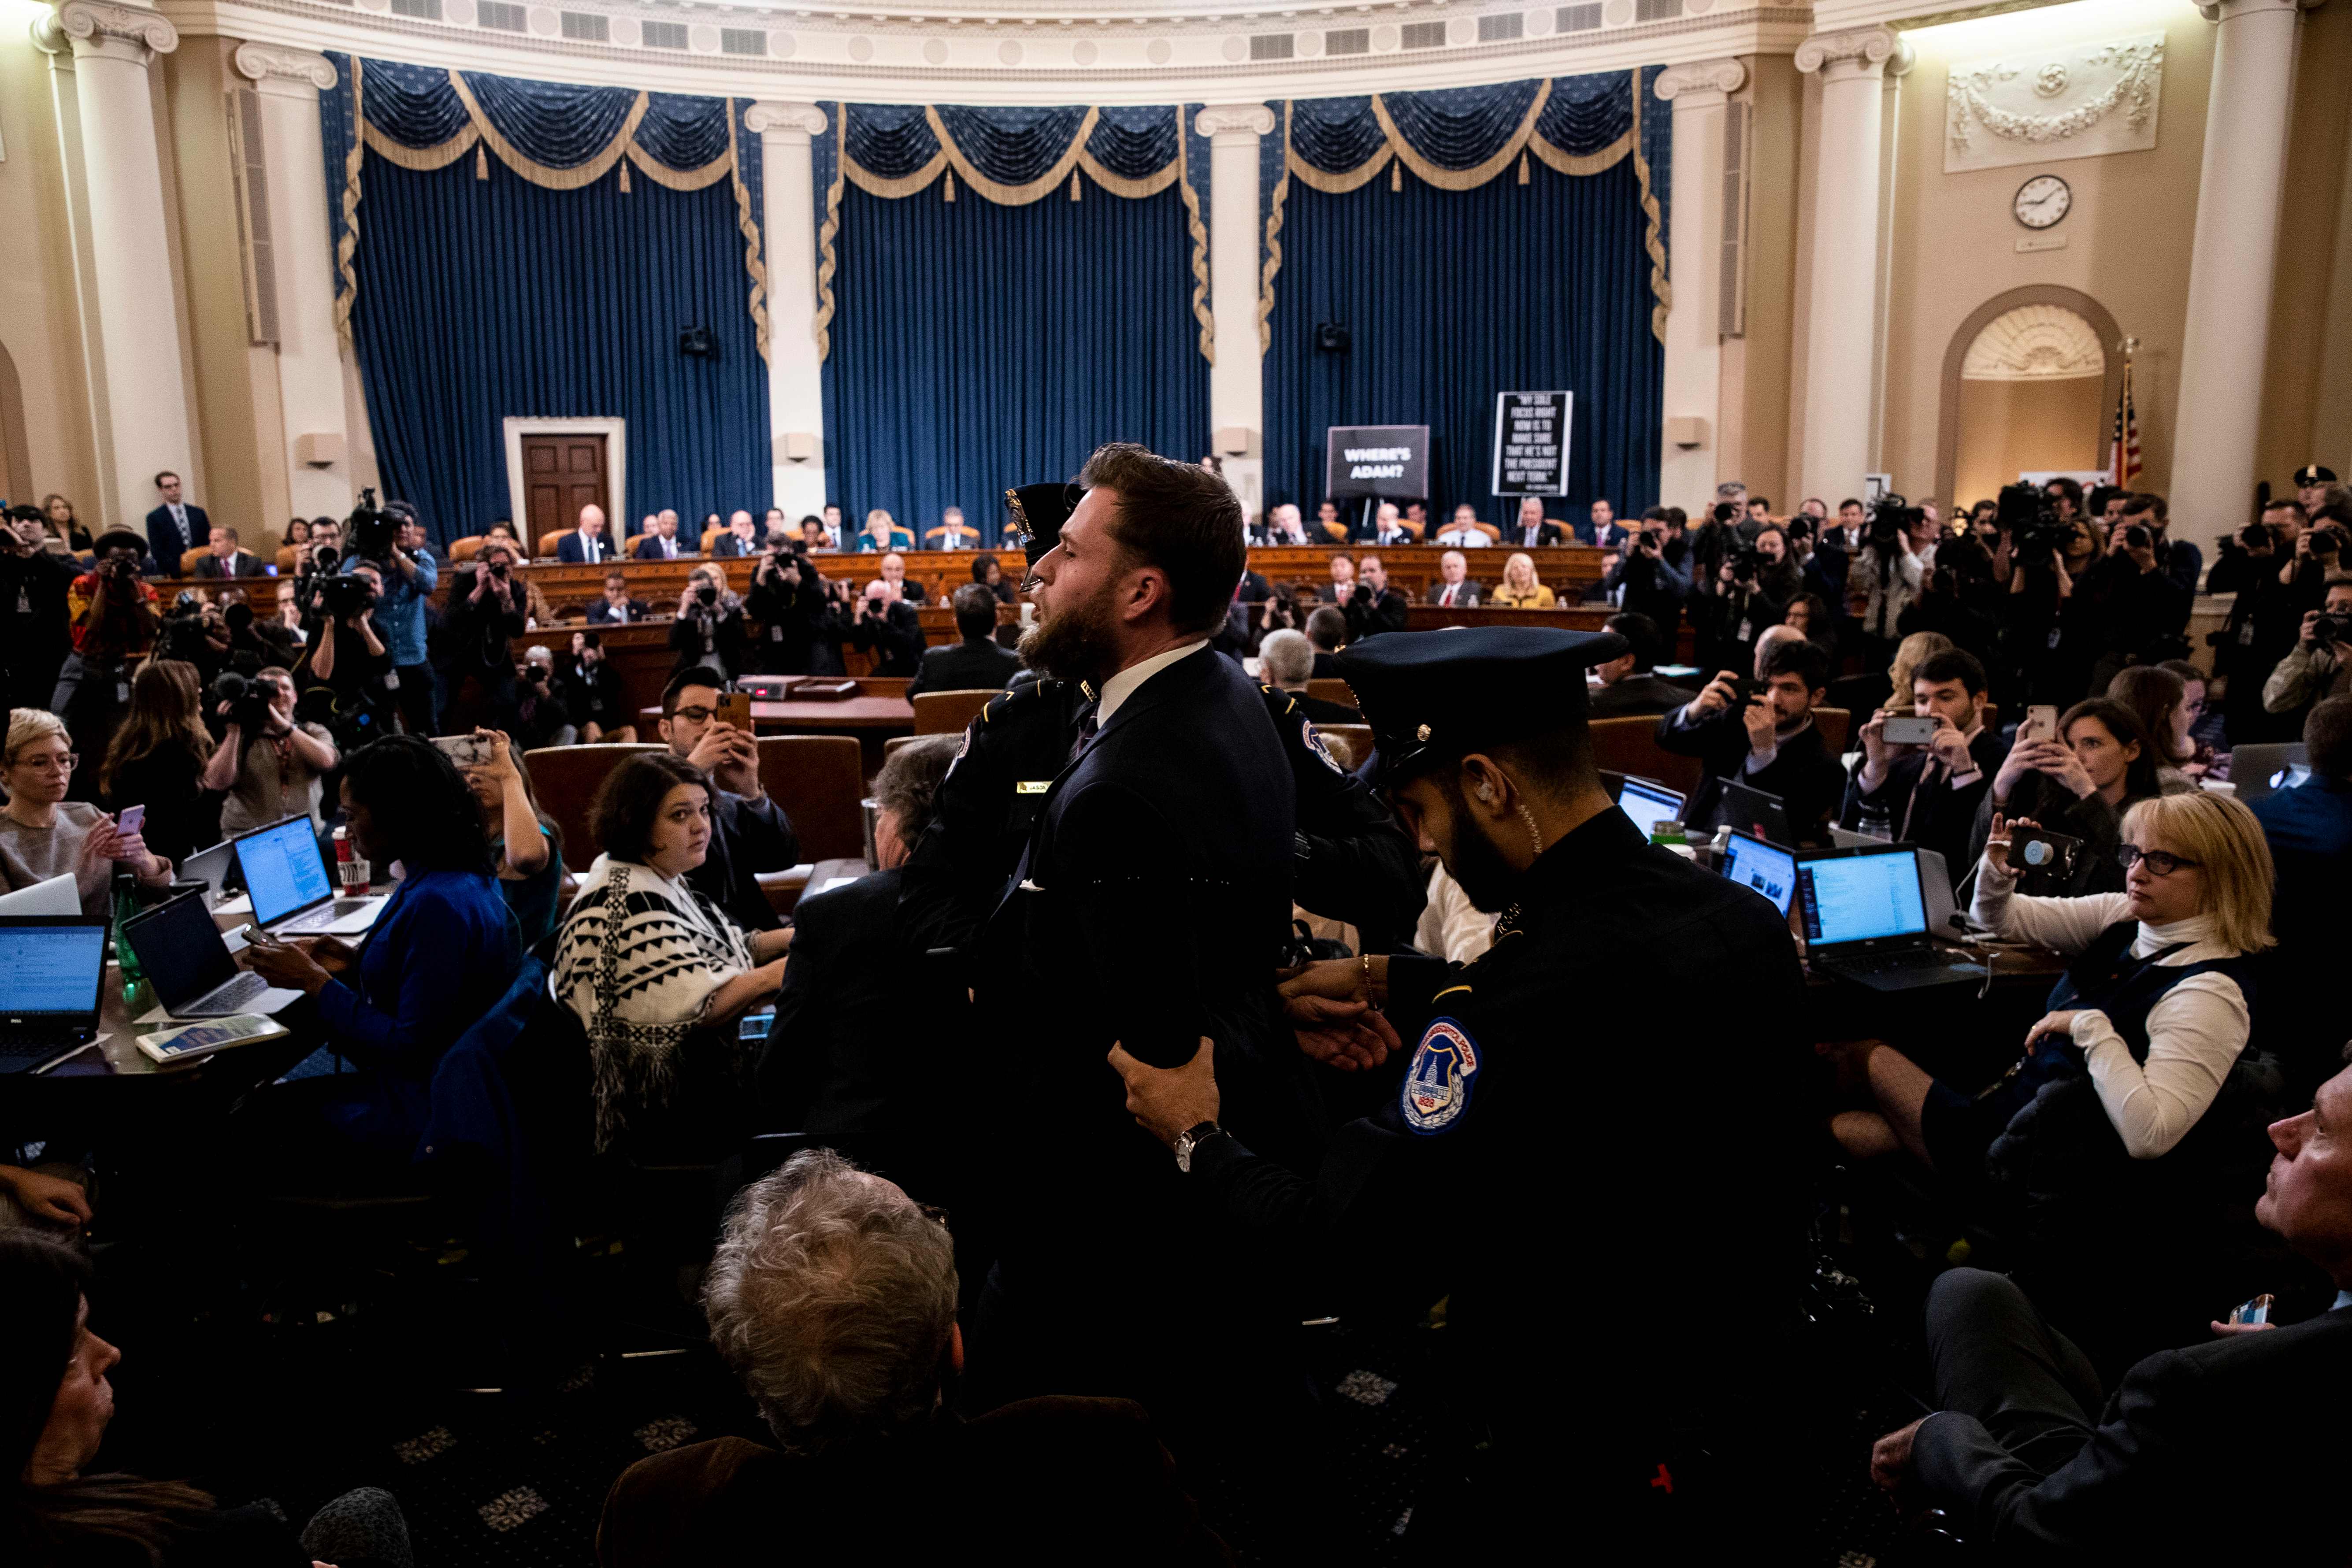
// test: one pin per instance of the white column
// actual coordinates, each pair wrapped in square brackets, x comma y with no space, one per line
[795,390]
[2231,262]
[309,361]
[146,424]
[1693,366]
[1841,332]
[1236,380]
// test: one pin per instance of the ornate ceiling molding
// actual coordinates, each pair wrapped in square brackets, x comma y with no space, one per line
[262,62]
[92,26]
[2072,100]
[1858,51]
[1250,119]
[803,119]
[1700,77]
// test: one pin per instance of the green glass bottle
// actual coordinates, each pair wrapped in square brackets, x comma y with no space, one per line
[134,979]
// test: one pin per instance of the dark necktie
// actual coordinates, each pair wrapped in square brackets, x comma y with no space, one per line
[1086,730]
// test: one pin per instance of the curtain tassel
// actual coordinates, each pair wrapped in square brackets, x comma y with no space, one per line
[1074,185]
[1396,175]
[948,178]
[625,176]
[481,161]
[1523,168]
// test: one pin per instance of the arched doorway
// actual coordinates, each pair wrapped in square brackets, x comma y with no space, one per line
[16,454]
[2029,383]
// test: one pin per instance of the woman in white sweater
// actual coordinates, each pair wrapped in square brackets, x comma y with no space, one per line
[657,973]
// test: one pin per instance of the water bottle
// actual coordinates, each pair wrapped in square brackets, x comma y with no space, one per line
[1875,820]
[136,997]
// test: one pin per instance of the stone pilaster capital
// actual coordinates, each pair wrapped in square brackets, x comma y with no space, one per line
[1699,77]
[267,63]
[786,121]
[96,28]
[1234,119]
[1857,51]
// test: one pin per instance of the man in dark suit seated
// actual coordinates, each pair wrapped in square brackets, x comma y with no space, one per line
[1286,662]
[616,608]
[1927,794]
[586,545]
[174,527]
[1627,689]
[1280,525]
[740,540]
[2200,1454]
[953,532]
[1326,633]
[975,664]
[661,541]
[1453,586]
[1384,527]
[1533,530]
[833,1296]
[1767,743]
[226,559]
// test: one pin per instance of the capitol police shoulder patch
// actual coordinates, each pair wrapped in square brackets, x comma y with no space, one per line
[1445,1070]
[1314,740]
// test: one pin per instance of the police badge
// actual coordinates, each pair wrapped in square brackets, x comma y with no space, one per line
[1437,1087]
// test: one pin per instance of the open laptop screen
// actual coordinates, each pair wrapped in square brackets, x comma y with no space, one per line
[1648,805]
[1766,868]
[283,872]
[51,971]
[1857,898]
[179,949]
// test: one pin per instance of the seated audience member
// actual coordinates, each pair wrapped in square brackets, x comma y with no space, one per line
[739,540]
[2140,1134]
[990,575]
[439,956]
[2078,785]
[43,834]
[890,630]
[903,590]
[1909,653]
[616,607]
[816,536]
[2031,1464]
[2159,701]
[1464,532]
[826,1068]
[274,772]
[542,708]
[2309,830]
[1327,632]
[157,760]
[750,834]
[525,846]
[833,1296]
[1518,589]
[1451,927]
[657,973]
[708,632]
[1384,528]
[1280,525]
[1770,742]
[1286,662]
[1927,794]
[224,558]
[1627,688]
[1453,586]
[975,664]
[1810,615]
[1372,607]
[586,545]
[58,518]
[1533,530]
[2315,668]
[591,688]
[2200,721]
[54,1385]
[882,533]
[661,541]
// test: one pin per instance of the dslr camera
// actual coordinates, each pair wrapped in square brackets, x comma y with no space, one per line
[2036,537]
[1745,563]
[2329,630]
[344,596]
[1890,520]
[372,531]
[248,699]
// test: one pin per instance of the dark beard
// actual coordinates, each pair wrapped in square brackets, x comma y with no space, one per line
[1485,879]
[1076,644]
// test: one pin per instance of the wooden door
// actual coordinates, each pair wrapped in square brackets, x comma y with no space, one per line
[561,474]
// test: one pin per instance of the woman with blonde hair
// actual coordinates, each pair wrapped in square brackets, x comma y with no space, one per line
[1519,590]
[59,513]
[157,760]
[43,834]
[1909,655]
[2129,1136]
[883,535]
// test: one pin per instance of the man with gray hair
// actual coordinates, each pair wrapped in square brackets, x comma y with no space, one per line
[833,1296]
[1285,663]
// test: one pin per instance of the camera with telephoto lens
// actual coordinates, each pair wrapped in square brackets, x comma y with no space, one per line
[1891,518]
[346,595]
[2329,630]
[1745,563]
[2324,542]
[2257,536]
[248,699]
[372,531]
[2137,538]
[2036,536]
[706,595]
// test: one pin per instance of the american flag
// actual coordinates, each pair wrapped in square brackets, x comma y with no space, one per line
[2123,453]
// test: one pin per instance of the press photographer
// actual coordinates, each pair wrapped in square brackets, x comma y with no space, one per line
[786,598]
[542,707]
[1920,785]
[2135,607]
[1891,573]
[344,680]
[592,688]
[1762,734]
[2315,667]
[1652,579]
[268,764]
[709,631]
[2033,556]
[1728,620]
[890,630]
[484,614]
[2263,626]
[393,538]
[114,620]
[34,627]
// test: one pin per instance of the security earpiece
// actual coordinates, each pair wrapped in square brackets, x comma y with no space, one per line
[1486,793]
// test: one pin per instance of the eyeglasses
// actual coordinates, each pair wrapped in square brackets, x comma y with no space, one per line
[695,715]
[50,764]
[2159,864]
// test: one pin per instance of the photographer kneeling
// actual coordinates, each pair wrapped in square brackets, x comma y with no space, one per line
[2078,785]
[2126,1132]
[2315,668]
[268,764]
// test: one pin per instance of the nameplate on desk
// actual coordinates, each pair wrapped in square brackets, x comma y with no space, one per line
[1033,786]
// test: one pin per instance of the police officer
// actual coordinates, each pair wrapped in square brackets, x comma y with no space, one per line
[1591,1145]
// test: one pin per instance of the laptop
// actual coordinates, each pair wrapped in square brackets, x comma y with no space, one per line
[1865,914]
[1744,808]
[52,979]
[181,948]
[1648,803]
[215,867]
[285,877]
[1766,868]
[57,896]
[2259,770]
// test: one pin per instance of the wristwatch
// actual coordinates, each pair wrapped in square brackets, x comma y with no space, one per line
[1192,1138]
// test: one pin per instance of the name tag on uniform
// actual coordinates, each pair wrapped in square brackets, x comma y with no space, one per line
[1033,786]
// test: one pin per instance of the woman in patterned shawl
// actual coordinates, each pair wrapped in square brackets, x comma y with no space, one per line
[659,974]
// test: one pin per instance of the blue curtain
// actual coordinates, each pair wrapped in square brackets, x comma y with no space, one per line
[480,300]
[977,347]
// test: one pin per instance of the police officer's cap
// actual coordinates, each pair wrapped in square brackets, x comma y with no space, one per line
[1038,513]
[1434,697]
[2312,474]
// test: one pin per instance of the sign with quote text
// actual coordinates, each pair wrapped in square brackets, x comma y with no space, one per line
[1531,443]
[1390,461]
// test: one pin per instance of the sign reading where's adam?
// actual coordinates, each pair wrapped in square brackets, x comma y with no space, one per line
[1386,460]
[1531,443]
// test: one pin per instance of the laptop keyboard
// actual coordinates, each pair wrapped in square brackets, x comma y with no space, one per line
[233,996]
[20,1051]
[1896,962]
[342,908]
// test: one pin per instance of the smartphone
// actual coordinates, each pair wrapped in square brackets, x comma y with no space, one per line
[466,751]
[2257,1310]
[1746,689]
[2032,849]
[735,708]
[754,1026]
[2041,723]
[128,821]
[1906,730]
